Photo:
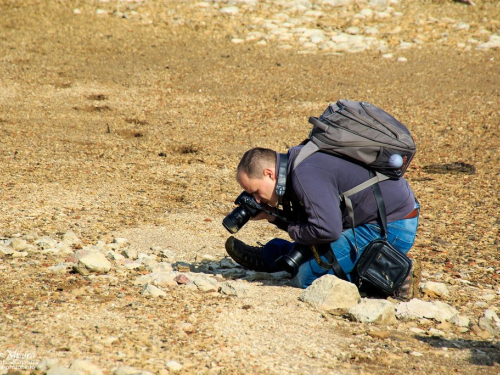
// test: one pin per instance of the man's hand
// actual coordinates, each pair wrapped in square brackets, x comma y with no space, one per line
[263,215]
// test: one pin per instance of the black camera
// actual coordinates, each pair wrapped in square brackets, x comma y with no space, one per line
[247,208]
[292,261]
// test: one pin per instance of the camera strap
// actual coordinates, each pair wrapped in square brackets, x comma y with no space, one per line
[281,184]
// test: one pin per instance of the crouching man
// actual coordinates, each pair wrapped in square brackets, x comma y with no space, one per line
[313,214]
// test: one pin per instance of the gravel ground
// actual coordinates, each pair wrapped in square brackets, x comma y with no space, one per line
[125,119]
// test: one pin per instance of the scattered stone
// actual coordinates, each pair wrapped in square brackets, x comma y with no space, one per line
[133,265]
[331,294]
[130,253]
[59,370]
[379,334]
[182,279]
[227,263]
[435,290]
[234,288]
[173,366]
[435,332]
[47,363]
[230,10]
[460,320]
[128,370]
[18,244]
[6,251]
[233,273]
[94,262]
[46,242]
[71,238]
[205,285]
[490,322]
[376,311]
[153,291]
[416,309]
[85,367]
[61,268]
[168,255]
[122,242]
[113,255]
[417,330]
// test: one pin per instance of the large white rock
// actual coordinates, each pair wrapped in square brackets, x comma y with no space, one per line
[378,311]
[94,262]
[417,309]
[433,289]
[331,294]
[490,322]
[85,367]
[153,291]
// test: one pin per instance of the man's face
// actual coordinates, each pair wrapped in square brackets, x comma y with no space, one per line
[263,189]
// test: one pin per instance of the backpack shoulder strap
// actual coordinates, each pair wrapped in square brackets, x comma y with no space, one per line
[348,203]
[377,178]
[309,149]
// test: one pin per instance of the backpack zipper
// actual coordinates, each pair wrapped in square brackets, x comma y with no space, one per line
[343,107]
[333,124]
[383,123]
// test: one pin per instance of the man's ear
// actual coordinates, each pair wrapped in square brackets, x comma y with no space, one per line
[270,172]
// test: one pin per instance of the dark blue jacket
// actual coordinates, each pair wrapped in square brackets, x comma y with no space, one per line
[317,183]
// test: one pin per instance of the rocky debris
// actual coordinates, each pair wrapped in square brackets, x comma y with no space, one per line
[435,290]
[153,291]
[331,294]
[173,366]
[338,302]
[93,262]
[128,370]
[59,370]
[376,311]
[85,367]
[335,26]
[417,309]
[490,322]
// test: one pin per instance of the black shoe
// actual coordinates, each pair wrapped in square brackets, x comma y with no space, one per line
[248,256]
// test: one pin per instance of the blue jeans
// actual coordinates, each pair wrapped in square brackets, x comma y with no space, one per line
[401,234]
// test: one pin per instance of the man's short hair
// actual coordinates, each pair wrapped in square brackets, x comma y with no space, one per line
[255,160]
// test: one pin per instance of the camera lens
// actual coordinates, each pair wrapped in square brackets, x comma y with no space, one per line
[292,261]
[236,219]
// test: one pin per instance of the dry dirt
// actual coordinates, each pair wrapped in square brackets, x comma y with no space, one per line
[115,127]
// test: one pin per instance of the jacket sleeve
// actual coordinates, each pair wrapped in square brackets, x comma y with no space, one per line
[317,191]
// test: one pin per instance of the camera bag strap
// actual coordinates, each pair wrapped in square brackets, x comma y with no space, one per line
[281,183]
[330,255]
[332,262]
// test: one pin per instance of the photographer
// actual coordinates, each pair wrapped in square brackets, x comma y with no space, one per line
[313,214]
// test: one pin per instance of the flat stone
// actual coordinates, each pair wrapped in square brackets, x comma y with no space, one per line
[85,367]
[182,279]
[59,370]
[376,311]
[94,262]
[234,288]
[18,244]
[490,322]
[331,294]
[416,309]
[173,366]
[433,289]
[153,291]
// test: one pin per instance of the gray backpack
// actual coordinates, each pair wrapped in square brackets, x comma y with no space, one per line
[363,133]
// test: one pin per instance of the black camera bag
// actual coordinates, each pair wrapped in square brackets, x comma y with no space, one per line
[380,269]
